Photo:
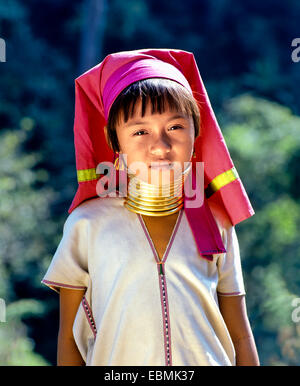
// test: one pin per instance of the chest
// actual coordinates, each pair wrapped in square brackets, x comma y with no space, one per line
[123,260]
[160,231]
[121,251]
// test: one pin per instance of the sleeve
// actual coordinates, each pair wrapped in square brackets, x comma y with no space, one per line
[230,282]
[69,266]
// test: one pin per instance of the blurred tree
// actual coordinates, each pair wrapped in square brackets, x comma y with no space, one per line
[16,348]
[133,24]
[27,235]
[33,84]
[94,16]
[264,140]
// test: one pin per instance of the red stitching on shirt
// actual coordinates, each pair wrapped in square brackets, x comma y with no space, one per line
[89,315]
[165,315]
[56,284]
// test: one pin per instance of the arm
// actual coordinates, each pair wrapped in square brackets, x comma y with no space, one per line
[234,312]
[67,351]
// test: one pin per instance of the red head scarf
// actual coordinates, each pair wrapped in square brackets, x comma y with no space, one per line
[95,92]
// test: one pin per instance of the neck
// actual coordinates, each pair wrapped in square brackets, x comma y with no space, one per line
[155,200]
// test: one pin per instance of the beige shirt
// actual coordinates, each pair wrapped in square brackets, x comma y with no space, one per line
[132,314]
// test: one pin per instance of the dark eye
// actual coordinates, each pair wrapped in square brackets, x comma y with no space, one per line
[139,133]
[176,127]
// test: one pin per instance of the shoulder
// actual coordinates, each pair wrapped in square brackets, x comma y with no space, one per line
[93,210]
[98,205]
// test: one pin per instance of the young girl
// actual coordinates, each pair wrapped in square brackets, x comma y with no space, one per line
[148,275]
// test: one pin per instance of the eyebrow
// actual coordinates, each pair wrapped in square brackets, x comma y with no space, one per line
[134,123]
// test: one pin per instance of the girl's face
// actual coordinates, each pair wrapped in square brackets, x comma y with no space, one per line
[156,140]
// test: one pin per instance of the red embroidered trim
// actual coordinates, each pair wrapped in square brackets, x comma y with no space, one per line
[89,315]
[165,315]
[56,284]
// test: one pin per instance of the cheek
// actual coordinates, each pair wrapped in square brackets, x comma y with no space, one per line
[134,150]
[126,145]
[185,147]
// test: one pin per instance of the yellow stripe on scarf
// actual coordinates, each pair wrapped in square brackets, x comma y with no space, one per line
[87,175]
[221,180]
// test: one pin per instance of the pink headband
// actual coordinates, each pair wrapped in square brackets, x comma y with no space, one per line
[137,70]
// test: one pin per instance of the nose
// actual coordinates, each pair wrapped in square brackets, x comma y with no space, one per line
[160,147]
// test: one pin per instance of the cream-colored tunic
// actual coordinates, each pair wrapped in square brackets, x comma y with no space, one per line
[134,313]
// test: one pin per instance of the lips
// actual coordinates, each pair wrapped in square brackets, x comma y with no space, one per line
[161,165]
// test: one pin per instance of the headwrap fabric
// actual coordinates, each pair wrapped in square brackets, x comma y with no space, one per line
[136,70]
[95,92]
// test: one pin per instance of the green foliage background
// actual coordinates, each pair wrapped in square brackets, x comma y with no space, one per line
[243,50]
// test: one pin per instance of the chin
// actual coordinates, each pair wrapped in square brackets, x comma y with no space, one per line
[158,177]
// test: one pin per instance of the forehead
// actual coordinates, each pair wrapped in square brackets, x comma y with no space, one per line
[146,109]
